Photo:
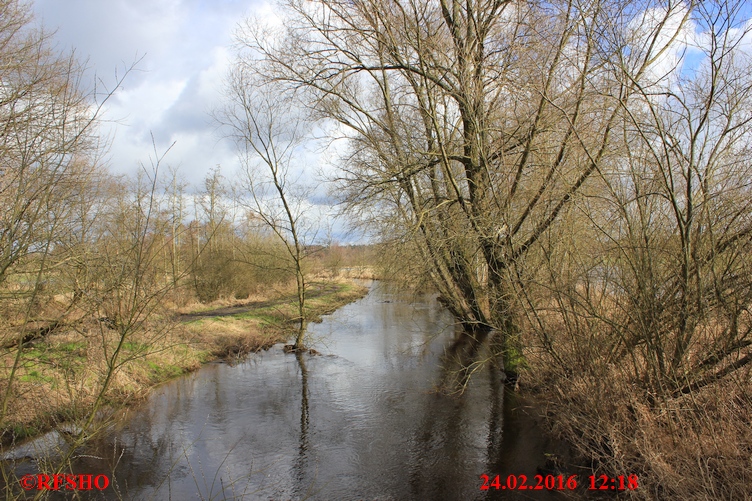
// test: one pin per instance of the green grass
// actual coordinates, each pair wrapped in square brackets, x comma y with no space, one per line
[135,346]
[164,372]
[35,377]
[41,354]
[264,318]
[71,346]
[67,356]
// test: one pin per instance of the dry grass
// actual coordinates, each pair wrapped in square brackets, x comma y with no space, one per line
[697,446]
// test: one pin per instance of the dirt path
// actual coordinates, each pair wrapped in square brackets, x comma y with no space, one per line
[316,290]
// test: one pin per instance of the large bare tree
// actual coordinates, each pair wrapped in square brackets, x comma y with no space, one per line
[472,124]
[664,278]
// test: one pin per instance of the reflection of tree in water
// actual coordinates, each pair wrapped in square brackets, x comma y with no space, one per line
[304,419]
[495,419]
[451,433]
[513,442]
[300,465]
[466,356]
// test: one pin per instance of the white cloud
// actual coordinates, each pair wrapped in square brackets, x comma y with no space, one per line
[184,44]
[661,36]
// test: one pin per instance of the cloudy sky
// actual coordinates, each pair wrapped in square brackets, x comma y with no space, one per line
[184,48]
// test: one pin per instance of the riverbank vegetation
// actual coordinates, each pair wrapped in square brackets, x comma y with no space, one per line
[573,179]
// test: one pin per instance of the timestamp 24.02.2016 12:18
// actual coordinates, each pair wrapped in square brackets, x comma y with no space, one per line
[559,482]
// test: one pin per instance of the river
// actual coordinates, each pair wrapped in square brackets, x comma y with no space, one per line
[376,416]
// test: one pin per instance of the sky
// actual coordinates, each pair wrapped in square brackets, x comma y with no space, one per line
[183,51]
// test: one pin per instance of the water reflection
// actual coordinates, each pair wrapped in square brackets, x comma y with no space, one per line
[301,463]
[370,419]
[465,355]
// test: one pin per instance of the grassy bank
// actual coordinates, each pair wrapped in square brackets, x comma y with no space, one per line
[60,376]
[239,328]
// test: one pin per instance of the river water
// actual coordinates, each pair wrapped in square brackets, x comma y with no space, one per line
[377,415]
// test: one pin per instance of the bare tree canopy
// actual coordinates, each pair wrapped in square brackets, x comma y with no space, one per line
[268,127]
[46,123]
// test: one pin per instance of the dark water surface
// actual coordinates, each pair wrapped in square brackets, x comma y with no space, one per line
[365,420]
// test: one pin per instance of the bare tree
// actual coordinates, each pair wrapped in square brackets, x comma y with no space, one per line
[269,134]
[176,209]
[48,150]
[673,218]
[212,272]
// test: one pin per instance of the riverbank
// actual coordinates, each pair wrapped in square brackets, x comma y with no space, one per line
[695,445]
[234,330]
[60,378]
